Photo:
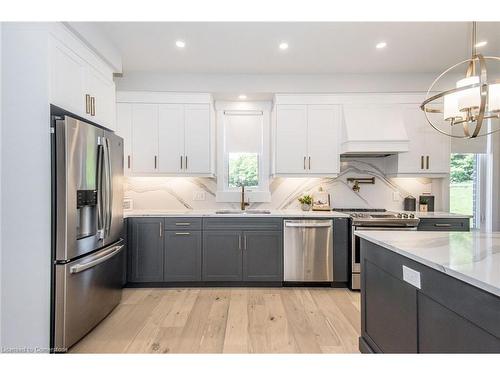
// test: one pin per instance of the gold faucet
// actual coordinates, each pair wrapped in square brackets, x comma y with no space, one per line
[243,203]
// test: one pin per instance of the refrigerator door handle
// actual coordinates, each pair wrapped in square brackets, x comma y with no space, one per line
[109,188]
[100,192]
[77,268]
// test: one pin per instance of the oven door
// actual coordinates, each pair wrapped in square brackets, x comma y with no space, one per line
[356,251]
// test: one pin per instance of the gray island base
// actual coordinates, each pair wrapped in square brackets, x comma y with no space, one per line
[416,306]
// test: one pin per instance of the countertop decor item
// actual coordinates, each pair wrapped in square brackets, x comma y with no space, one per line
[410,203]
[475,98]
[321,201]
[428,200]
[306,202]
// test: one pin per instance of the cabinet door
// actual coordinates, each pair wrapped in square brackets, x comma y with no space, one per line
[323,125]
[197,138]
[441,330]
[124,130]
[429,150]
[102,92]
[262,256]
[170,137]
[390,311]
[67,73]
[437,149]
[145,250]
[182,256]
[145,138]
[222,258]
[291,139]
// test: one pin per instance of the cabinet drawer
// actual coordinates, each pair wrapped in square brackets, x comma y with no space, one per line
[444,224]
[243,223]
[178,223]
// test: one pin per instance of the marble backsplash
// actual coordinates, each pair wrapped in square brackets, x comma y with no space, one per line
[180,193]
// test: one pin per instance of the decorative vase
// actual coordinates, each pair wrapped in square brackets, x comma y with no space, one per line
[305,207]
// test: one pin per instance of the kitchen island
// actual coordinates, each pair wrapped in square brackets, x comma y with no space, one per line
[430,292]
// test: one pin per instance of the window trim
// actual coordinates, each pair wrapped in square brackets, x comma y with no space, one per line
[262,193]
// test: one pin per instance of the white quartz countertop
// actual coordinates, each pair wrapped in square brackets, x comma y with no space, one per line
[472,257]
[438,215]
[212,213]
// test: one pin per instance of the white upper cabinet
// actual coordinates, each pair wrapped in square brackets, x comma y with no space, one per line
[124,130]
[307,139]
[291,139]
[78,86]
[429,150]
[197,138]
[67,78]
[144,138]
[169,139]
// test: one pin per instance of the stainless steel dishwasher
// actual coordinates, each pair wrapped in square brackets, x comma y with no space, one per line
[308,250]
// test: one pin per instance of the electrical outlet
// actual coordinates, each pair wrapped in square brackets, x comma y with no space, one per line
[199,195]
[411,277]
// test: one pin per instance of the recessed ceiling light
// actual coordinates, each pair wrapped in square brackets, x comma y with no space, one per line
[283,45]
[381,45]
[481,44]
[180,44]
[242,97]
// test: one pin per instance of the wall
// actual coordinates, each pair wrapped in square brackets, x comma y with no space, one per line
[25,185]
[162,193]
[1,25]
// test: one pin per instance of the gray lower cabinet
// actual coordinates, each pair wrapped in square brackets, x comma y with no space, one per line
[182,256]
[262,256]
[145,250]
[222,255]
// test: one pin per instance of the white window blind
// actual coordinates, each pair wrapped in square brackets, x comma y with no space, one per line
[243,133]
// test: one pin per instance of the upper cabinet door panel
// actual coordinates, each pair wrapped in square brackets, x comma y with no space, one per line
[291,139]
[413,161]
[67,76]
[145,138]
[102,92]
[197,138]
[170,137]
[323,122]
[438,148]
[124,130]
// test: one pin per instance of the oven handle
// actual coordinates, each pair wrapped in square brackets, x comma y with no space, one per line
[308,225]
[386,228]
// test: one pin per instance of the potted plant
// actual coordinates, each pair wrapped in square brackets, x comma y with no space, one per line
[306,202]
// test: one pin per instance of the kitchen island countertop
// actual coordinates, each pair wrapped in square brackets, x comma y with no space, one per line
[472,257]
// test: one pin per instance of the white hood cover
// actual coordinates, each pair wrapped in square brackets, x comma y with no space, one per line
[373,129]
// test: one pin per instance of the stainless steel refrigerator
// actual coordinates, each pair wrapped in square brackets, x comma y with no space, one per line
[87,220]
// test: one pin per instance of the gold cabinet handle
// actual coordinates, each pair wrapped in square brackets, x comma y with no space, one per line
[128,161]
[309,162]
[92,106]
[422,162]
[427,161]
[156,161]
[181,161]
[186,162]
[304,162]
[87,104]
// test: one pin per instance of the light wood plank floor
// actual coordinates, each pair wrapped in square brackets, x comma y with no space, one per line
[229,320]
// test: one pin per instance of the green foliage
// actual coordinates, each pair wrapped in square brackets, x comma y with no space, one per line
[461,167]
[306,199]
[243,169]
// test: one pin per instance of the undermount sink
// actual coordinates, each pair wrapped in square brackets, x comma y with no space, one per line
[241,212]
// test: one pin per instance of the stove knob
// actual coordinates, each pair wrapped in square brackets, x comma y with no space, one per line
[405,216]
[412,216]
[400,215]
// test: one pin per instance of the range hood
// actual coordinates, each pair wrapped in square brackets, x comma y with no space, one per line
[373,130]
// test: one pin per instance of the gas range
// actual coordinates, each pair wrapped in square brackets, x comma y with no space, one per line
[379,217]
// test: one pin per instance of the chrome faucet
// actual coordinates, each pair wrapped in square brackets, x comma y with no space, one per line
[243,203]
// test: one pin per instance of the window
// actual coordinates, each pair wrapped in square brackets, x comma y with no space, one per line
[465,185]
[243,153]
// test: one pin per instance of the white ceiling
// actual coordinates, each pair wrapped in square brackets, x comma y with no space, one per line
[315,48]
